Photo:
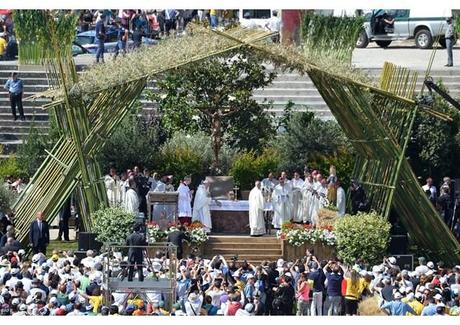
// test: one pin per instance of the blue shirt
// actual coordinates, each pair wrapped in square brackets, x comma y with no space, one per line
[334,284]
[14,86]
[429,310]
[398,308]
[100,30]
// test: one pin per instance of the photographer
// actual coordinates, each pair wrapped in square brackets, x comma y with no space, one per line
[136,254]
[284,296]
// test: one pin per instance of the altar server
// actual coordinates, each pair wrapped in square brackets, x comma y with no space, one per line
[281,199]
[185,200]
[256,211]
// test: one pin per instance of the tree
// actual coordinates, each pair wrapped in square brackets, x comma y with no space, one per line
[307,141]
[434,149]
[215,96]
[135,142]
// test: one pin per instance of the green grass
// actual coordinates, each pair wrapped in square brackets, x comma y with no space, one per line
[61,246]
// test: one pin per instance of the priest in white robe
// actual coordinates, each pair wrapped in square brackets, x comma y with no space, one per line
[185,202]
[256,211]
[281,199]
[319,198]
[341,199]
[297,184]
[131,203]
[307,198]
[113,186]
[201,211]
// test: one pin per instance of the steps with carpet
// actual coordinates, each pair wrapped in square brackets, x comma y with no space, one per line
[253,249]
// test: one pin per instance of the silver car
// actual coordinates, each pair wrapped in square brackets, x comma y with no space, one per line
[385,26]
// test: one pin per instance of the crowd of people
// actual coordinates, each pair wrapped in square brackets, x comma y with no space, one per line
[64,284]
[445,200]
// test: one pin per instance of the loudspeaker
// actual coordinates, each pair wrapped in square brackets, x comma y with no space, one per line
[87,241]
[405,262]
[398,244]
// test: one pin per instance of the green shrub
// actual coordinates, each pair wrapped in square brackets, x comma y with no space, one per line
[7,198]
[10,167]
[113,225]
[191,154]
[248,167]
[363,236]
[244,170]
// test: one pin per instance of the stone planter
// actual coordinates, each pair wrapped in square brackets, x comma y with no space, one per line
[320,251]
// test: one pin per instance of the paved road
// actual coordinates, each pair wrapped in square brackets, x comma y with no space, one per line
[401,53]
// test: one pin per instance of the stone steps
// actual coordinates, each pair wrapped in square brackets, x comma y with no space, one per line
[253,249]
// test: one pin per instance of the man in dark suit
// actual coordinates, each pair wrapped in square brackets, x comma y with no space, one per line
[136,254]
[64,216]
[39,234]
[177,237]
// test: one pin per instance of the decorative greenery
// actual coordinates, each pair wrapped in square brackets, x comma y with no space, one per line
[113,225]
[7,198]
[32,30]
[215,96]
[329,36]
[249,167]
[298,235]
[363,236]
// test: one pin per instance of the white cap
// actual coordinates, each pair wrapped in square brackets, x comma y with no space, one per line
[397,295]
[280,262]
[22,307]
[392,260]
[15,301]
[430,265]
[418,295]
[437,296]
[36,258]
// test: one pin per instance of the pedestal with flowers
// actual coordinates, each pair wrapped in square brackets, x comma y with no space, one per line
[195,232]
[298,238]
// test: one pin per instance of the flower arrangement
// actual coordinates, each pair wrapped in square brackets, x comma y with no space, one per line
[154,233]
[297,235]
[195,232]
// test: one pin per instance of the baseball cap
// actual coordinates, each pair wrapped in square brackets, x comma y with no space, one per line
[392,260]
[397,295]
[437,296]
[249,308]
[430,265]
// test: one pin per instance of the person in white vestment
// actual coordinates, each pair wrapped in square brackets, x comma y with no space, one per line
[256,211]
[319,197]
[287,182]
[201,211]
[341,199]
[185,201]
[131,203]
[297,184]
[281,199]
[112,184]
[269,183]
[307,198]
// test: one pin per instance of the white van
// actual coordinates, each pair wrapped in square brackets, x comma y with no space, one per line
[423,25]
[259,17]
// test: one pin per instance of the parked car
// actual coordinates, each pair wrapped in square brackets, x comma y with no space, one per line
[260,17]
[88,41]
[422,25]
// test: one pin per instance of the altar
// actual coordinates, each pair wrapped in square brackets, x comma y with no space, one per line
[231,217]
